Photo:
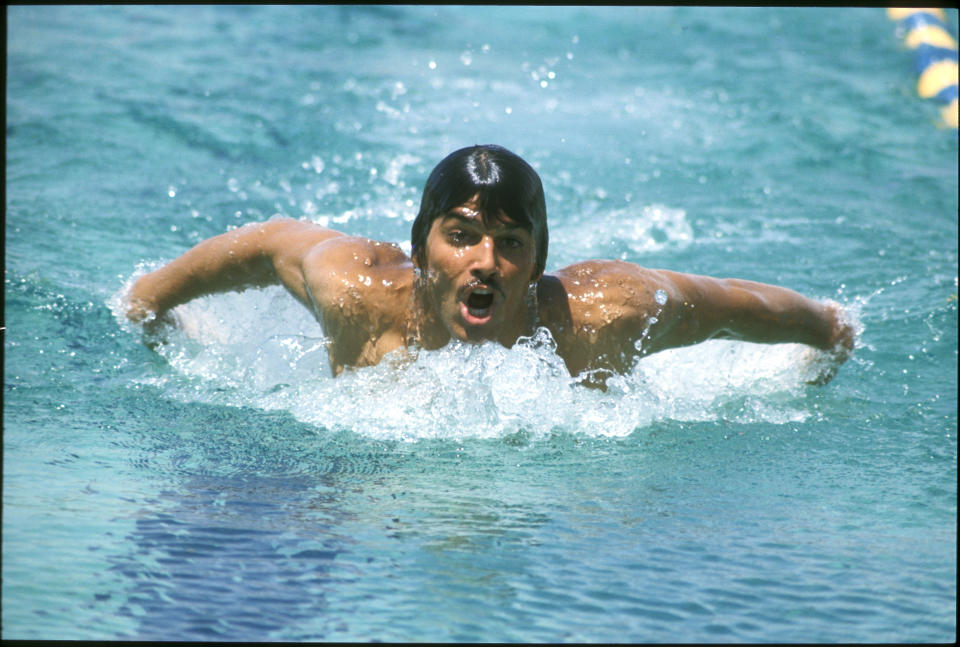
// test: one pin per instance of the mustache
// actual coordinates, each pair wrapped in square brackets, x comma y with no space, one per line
[492,283]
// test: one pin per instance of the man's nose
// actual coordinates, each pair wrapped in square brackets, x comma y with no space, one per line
[485,257]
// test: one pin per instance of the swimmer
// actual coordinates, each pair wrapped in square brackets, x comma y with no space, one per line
[476,274]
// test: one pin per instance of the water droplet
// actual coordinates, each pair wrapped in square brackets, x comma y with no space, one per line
[660,297]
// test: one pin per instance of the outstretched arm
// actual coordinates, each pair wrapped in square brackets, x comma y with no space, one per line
[255,255]
[700,308]
[603,314]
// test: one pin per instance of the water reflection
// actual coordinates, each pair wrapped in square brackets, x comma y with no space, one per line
[422,544]
[229,558]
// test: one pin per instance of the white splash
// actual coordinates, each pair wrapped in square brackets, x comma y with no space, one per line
[261,349]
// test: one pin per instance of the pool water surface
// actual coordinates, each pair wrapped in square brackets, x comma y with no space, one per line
[225,487]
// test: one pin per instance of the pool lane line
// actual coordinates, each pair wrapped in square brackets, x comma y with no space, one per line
[925,30]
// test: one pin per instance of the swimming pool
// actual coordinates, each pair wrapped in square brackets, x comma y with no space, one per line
[226,487]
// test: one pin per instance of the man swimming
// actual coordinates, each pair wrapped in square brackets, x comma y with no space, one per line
[476,273]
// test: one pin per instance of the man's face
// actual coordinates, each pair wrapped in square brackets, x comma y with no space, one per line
[477,276]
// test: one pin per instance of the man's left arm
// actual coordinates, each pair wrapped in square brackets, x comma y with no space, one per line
[701,307]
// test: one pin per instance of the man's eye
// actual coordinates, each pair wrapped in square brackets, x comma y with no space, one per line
[512,243]
[456,236]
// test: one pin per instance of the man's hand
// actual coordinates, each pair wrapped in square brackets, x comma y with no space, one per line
[140,309]
[843,340]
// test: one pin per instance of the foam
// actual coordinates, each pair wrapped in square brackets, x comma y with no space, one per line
[261,349]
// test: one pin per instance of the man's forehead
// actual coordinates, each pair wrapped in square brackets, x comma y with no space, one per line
[471,214]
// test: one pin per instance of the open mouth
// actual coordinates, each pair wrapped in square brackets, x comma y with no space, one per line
[479,302]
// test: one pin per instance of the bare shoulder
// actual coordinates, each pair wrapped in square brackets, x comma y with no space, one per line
[358,272]
[359,290]
[345,250]
[598,309]
[286,235]
[612,289]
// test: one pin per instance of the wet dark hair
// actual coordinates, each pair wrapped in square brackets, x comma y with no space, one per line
[500,179]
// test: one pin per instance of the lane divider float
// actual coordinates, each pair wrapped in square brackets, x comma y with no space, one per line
[925,30]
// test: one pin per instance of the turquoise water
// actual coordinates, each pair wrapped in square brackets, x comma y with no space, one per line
[226,487]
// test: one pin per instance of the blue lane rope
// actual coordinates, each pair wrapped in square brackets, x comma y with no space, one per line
[925,30]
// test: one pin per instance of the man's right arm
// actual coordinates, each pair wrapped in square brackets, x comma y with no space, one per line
[255,255]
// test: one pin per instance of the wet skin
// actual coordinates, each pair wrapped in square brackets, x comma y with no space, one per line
[475,272]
